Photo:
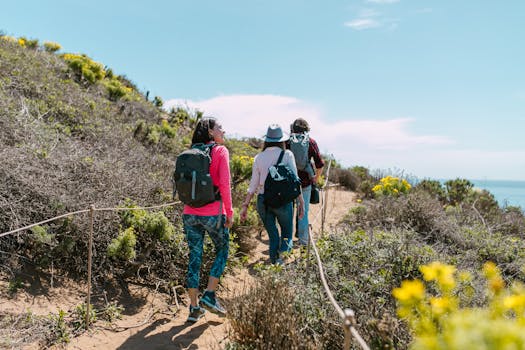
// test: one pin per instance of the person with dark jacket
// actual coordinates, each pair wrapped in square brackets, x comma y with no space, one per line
[308,178]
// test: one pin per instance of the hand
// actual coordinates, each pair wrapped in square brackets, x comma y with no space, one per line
[244,212]
[300,208]
[229,222]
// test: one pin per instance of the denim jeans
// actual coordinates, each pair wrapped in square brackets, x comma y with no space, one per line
[270,217]
[302,224]
[194,229]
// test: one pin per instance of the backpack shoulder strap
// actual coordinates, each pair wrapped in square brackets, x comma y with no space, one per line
[280,158]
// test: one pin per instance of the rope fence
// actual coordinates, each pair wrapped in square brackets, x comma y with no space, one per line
[92,209]
[347,315]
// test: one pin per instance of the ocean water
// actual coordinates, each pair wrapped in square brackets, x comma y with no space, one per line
[507,193]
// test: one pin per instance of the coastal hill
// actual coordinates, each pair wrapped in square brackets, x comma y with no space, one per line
[416,262]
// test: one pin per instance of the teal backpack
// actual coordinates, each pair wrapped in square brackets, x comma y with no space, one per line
[299,144]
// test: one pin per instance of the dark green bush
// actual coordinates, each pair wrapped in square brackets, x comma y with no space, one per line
[457,190]
[434,188]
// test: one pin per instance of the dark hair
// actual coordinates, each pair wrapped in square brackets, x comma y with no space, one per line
[202,130]
[299,126]
[280,144]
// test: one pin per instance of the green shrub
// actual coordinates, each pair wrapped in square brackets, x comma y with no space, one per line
[434,188]
[79,315]
[59,328]
[116,89]
[457,190]
[41,237]
[157,102]
[158,226]
[51,46]
[123,247]
[85,67]
[241,168]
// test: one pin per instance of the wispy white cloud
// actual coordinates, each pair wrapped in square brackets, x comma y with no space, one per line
[362,23]
[368,18]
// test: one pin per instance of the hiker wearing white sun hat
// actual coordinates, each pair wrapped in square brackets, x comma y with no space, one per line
[273,150]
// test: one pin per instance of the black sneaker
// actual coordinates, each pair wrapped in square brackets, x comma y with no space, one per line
[196,313]
[209,302]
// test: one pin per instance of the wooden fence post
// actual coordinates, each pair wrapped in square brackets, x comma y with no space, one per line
[90,250]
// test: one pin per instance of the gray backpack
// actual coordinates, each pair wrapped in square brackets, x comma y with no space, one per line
[299,144]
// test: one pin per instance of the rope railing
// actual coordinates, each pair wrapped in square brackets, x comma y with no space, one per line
[347,315]
[91,211]
[84,211]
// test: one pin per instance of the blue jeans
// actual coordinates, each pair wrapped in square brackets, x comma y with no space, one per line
[194,229]
[302,224]
[270,217]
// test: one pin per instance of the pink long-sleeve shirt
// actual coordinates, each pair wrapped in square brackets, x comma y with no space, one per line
[220,175]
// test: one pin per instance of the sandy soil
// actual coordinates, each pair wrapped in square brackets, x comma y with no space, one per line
[151,320]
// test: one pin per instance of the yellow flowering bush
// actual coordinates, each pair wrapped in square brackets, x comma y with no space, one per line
[241,168]
[439,321]
[391,186]
[85,67]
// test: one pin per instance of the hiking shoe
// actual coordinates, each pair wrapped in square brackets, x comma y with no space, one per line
[196,313]
[209,302]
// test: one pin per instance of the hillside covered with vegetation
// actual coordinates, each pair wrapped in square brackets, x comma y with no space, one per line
[424,265]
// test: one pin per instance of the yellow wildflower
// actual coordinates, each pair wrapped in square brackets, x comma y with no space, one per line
[515,302]
[409,291]
[496,284]
[441,305]
[441,273]
[490,270]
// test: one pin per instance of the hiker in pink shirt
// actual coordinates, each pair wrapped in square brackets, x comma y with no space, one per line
[215,218]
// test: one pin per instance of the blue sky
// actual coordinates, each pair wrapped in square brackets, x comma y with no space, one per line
[433,88]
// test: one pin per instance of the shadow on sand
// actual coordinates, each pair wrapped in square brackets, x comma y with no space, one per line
[180,336]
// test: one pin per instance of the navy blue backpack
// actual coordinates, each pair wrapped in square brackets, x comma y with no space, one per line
[281,185]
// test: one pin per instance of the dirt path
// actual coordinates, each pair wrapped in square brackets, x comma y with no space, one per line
[159,324]
[168,329]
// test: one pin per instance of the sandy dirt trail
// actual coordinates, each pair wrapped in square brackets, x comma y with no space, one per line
[155,322]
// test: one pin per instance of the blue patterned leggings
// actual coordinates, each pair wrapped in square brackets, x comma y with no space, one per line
[194,228]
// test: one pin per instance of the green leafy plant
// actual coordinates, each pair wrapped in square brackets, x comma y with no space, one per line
[85,67]
[14,285]
[157,102]
[59,328]
[79,316]
[241,168]
[52,46]
[457,190]
[116,89]
[123,247]
[434,188]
